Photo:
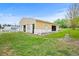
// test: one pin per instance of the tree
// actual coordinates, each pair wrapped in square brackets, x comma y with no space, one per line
[61,23]
[72,15]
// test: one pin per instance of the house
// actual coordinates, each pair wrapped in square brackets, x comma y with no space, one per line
[37,26]
[10,28]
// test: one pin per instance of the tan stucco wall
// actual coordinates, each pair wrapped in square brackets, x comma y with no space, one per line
[38,24]
[43,25]
[26,21]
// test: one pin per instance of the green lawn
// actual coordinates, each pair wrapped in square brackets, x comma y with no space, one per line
[73,33]
[19,43]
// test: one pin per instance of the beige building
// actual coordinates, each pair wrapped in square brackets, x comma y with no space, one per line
[37,26]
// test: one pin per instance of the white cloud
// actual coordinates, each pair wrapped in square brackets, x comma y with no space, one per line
[13,19]
[58,15]
[9,19]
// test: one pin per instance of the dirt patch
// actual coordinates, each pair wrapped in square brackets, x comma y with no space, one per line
[7,51]
[73,42]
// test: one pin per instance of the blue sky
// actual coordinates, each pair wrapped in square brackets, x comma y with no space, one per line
[12,13]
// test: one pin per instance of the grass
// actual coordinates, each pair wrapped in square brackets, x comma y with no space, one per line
[23,44]
[60,34]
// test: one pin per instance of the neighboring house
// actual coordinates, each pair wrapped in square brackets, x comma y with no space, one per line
[11,28]
[37,26]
